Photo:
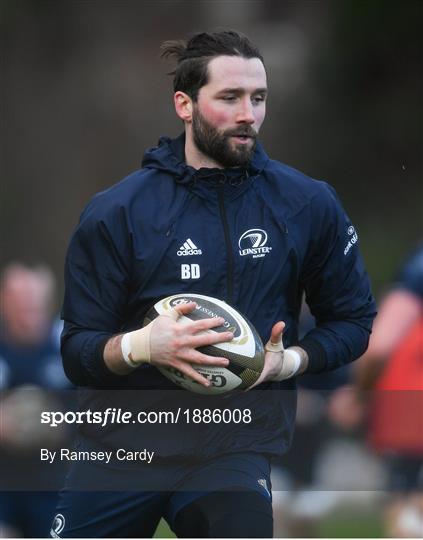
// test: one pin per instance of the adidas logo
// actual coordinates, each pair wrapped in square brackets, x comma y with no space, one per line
[188,248]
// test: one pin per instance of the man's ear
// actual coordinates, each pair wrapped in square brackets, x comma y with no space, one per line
[183,106]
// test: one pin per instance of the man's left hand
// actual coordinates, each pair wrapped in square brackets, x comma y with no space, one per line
[281,364]
[272,360]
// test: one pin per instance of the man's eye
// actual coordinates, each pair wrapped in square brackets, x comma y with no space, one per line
[258,99]
[228,98]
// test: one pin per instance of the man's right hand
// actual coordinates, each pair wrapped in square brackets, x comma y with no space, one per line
[174,344]
[168,343]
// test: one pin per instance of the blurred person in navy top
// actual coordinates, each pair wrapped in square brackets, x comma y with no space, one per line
[29,366]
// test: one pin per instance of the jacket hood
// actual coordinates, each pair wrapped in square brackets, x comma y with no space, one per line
[169,156]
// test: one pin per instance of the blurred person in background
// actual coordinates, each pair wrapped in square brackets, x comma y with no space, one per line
[29,364]
[301,500]
[388,392]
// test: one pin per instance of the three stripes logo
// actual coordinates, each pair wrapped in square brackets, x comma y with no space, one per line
[188,248]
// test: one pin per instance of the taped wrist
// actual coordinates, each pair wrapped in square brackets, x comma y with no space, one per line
[135,346]
[291,361]
[291,364]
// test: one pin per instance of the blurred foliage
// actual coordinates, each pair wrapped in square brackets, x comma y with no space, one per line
[84,94]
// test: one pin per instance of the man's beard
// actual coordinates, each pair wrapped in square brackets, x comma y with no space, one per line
[217,145]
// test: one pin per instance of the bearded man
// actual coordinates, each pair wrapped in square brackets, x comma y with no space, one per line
[205,189]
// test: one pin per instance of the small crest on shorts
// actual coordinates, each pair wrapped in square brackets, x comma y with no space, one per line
[263,483]
[58,526]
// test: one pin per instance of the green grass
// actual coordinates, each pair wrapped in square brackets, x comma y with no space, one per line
[356,525]
[163,531]
[359,525]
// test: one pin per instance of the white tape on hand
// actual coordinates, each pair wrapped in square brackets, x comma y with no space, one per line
[291,360]
[135,346]
[291,364]
[274,347]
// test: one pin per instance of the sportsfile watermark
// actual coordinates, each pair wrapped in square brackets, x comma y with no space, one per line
[136,439]
[114,415]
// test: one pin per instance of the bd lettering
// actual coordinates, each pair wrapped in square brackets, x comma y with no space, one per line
[190,271]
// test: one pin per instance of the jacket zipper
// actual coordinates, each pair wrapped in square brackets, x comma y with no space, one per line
[229,277]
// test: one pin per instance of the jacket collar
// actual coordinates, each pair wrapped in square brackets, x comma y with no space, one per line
[169,156]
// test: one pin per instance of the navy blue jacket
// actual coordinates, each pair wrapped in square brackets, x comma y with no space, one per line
[257,239]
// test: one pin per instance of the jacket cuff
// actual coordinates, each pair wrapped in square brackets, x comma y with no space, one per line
[93,360]
[317,359]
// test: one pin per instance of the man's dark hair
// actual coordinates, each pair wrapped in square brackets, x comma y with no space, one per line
[193,56]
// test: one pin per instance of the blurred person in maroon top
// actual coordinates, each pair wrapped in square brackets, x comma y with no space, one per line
[388,392]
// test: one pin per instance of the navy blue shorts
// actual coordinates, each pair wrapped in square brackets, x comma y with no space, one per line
[29,513]
[118,513]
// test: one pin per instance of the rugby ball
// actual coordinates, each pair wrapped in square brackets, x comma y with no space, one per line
[245,352]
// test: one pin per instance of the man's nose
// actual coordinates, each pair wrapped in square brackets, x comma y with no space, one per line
[245,113]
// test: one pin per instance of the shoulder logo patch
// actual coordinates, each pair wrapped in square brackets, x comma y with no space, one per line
[352,233]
